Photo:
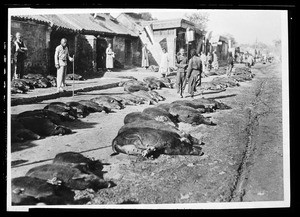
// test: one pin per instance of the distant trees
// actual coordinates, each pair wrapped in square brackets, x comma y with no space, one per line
[144,16]
[199,18]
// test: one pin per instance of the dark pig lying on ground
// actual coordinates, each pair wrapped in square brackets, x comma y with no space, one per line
[201,108]
[135,88]
[69,176]
[78,161]
[62,109]
[211,103]
[137,116]
[19,133]
[52,80]
[153,124]
[225,82]
[153,83]
[81,110]
[43,83]
[43,126]
[155,95]
[164,106]
[76,77]
[15,90]
[20,85]
[129,99]
[131,82]
[31,191]
[161,115]
[189,115]
[147,142]
[94,107]
[145,95]
[32,83]
[211,86]
[33,76]
[157,83]
[43,113]
[108,102]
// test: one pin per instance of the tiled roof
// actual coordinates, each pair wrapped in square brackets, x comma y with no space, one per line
[81,23]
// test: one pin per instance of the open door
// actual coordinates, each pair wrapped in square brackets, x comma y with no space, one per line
[100,53]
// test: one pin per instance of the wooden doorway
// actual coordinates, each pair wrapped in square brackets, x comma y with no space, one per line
[128,52]
[101,45]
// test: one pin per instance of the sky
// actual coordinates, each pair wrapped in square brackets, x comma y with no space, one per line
[245,25]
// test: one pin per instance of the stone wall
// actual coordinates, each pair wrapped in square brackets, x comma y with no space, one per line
[35,37]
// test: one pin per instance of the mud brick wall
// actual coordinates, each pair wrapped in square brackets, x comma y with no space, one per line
[34,36]
[137,52]
[119,49]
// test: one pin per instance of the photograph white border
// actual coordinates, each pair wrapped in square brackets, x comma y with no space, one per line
[214,205]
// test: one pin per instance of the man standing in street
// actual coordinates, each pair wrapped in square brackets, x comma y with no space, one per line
[181,63]
[145,57]
[60,57]
[20,55]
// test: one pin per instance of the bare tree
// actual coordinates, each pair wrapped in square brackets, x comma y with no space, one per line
[199,18]
[144,16]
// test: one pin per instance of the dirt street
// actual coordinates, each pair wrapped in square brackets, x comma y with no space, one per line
[243,153]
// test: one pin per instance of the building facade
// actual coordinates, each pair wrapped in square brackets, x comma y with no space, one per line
[88,36]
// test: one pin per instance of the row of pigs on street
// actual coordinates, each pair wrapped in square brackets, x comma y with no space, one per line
[145,134]
[32,81]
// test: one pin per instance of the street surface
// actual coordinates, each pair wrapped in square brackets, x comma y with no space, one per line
[243,153]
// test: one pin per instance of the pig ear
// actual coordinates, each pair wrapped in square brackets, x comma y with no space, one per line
[80,176]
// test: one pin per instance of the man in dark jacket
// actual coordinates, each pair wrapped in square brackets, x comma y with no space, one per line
[181,63]
[194,69]
[20,55]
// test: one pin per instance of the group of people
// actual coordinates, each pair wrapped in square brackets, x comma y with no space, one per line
[209,61]
[189,71]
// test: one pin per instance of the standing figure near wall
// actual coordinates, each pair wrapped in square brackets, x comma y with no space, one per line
[60,57]
[230,64]
[20,55]
[145,57]
[164,63]
[193,70]
[181,63]
[12,59]
[215,63]
[208,61]
[110,55]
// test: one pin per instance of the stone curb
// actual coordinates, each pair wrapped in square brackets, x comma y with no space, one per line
[35,99]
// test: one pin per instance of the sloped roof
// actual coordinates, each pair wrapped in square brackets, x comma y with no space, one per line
[83,23]
[164,24]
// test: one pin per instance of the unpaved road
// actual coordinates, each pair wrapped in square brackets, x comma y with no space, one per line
[243,158]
